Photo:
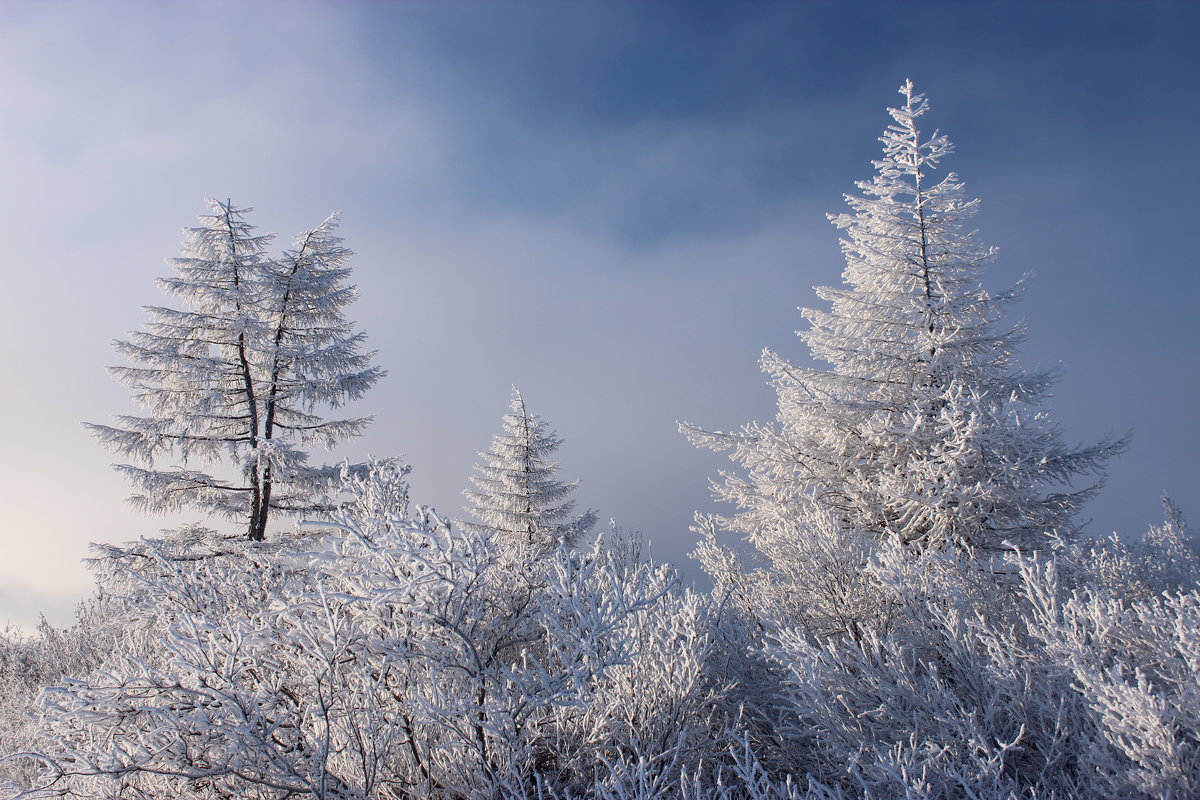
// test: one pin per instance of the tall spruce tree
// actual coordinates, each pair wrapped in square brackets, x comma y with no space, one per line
[517,497]
[235,377]
[923,432]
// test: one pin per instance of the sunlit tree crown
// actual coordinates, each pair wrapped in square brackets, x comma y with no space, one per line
[235,376]
[922,429]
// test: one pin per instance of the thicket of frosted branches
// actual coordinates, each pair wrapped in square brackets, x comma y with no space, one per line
[902,604]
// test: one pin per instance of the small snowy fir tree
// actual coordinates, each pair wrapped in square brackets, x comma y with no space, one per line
[518,498]
[924,433]
[235,377]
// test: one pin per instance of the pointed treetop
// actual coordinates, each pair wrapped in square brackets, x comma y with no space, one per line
[923,429]
[517,496]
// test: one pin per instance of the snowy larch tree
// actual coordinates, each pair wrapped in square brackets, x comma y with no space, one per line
[923,432]
[236,376]
[517,496]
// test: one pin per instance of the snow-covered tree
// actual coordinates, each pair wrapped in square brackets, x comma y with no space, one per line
[923,431]
[518,498]
[236,375]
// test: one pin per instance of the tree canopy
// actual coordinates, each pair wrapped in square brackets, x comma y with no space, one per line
[236,375]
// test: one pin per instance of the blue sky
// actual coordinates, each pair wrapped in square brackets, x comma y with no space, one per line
[614,206]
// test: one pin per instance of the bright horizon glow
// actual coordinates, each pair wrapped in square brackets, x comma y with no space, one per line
[614,206]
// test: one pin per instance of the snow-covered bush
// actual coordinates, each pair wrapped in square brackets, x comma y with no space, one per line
[1057,693]
[49,655]
[391,657]
[1165,559]
[646,710]
[1137,665]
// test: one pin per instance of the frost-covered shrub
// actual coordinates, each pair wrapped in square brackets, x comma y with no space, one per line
[393,656]
[30,662]
[1165,559]
[1058,693]
[1137,665]
[646,706]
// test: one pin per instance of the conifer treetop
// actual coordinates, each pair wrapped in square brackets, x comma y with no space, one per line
[922,429]
[517,496]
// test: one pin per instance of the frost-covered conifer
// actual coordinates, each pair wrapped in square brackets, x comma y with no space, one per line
[518,497]
[923,431]
[236,375]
